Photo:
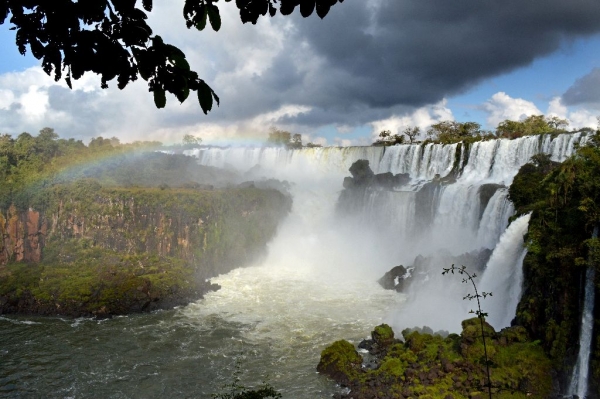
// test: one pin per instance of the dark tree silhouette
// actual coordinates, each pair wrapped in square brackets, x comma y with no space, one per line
[111,38]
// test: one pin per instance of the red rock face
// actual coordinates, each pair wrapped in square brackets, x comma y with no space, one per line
[34,238]
[22,236]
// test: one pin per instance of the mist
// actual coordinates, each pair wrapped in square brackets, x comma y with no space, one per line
[453,208]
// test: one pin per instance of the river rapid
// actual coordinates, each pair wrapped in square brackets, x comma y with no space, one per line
[272,330]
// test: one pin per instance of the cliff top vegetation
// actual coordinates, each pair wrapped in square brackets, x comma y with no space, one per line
[448,132]
[29,164]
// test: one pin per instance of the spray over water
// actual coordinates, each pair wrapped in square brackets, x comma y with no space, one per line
[434,215]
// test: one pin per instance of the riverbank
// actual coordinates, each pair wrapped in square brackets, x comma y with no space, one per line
[96,251]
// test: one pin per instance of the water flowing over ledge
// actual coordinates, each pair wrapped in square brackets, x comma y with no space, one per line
[455,202]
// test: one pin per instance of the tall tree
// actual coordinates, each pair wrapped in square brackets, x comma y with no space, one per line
[412,133]
[111,38]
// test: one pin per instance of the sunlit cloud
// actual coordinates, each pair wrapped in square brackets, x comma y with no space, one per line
[501,106]
[422,117]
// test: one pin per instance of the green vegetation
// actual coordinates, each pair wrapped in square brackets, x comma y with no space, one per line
[534,124]
[430,366]
[448,132]
[565,203]
[284,138]
[386,139]
[30,166]
[468,330]
[383,334]
[120,228]
[114,250]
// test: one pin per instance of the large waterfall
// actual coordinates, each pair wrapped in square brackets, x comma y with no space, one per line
[455,202]
[317,284]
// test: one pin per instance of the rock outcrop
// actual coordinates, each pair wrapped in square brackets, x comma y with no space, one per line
[426,365]
[400,277]
[104,251]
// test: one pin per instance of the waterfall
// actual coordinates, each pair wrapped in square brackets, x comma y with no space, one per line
[579,379]
[454,202]
[503,275]
[495,218]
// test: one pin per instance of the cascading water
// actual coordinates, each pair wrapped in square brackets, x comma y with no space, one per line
[315,286]
[423,217]
[503,275]
[579,378]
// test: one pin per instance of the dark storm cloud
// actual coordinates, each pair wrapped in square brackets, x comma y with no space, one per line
[585,89]
[382,54]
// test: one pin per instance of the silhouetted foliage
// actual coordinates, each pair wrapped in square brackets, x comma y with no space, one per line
[111,38]
[462,270]
[386,139]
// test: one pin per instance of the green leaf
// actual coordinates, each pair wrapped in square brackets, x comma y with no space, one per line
[180,62]
[205,97]
[160,100]
[145,73]
[172,50]
[157,41]
[183,94]
[201,24]
[215,18]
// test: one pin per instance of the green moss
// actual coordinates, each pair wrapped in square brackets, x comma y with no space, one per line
[340,357]
[429,366]
[383,334]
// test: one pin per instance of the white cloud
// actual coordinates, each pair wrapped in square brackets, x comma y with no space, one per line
[421,117]
[317,140]
[556,108]
[582,118]
[578,117]
[343,142]
[7,97]
[501,107]
[34,103]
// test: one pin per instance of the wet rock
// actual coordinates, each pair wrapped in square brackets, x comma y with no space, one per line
[396,279]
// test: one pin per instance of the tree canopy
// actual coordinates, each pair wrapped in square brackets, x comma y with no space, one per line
[284,138]
[452,131]
[386,138]
[112,39]
[534,124]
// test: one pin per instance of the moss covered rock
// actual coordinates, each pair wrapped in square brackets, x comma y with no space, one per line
[341,362]
[430,366]
[383,335]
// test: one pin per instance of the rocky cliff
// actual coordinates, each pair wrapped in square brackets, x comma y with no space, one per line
[95,250]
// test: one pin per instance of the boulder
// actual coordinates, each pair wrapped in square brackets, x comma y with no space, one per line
[396,279]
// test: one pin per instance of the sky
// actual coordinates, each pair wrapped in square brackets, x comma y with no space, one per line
[369,65]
